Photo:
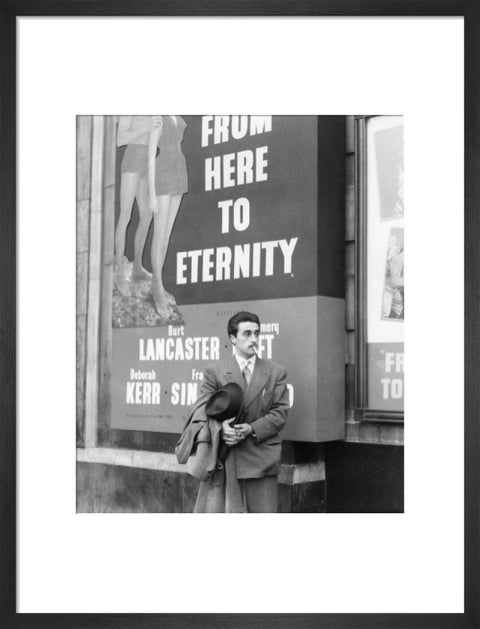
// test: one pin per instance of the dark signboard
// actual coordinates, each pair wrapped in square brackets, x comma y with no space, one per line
[261,229]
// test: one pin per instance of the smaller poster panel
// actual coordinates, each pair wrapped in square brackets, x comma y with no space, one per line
[385,286]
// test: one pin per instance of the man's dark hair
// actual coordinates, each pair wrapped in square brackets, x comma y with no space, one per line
[240,317]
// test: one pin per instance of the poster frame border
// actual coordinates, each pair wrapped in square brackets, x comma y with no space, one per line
[9,11]
[363,412]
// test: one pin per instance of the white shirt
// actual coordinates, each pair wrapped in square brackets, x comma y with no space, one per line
[243,361]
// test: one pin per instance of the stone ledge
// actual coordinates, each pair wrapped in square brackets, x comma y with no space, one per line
[379,433]
[302,473]
[131,458]
[160,461]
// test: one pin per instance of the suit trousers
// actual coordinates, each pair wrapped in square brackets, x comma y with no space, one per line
[247,495]
[260,494]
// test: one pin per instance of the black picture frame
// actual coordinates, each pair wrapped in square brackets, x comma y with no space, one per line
[9,10]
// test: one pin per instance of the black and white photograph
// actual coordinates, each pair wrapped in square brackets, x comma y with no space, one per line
[216,232]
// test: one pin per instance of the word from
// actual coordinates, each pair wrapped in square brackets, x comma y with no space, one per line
[218,129]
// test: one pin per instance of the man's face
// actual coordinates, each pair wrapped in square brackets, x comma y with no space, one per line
[246,341]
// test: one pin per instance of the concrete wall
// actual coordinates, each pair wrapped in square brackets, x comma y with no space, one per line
[111,480]
[103,488]
[364,478]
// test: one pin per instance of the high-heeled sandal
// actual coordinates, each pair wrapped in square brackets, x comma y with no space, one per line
[143,274]
[120,280]
[161,303]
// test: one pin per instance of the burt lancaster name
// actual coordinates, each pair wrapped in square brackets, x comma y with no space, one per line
[179,348]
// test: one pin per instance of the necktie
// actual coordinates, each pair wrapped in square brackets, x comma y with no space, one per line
[247,374]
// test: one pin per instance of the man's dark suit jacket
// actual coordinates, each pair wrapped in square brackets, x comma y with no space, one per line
[266,406]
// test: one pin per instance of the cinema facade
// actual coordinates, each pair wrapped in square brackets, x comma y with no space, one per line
[296,218]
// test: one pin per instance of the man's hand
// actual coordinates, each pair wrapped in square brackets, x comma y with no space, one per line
[229,434]
[243,430]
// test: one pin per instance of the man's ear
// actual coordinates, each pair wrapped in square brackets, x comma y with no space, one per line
[233,339]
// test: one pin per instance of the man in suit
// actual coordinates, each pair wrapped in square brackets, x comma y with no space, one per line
[254,445]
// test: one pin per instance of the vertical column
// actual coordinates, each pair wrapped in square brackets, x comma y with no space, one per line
[84,157]
[94,283]
[104,400]
[350,270]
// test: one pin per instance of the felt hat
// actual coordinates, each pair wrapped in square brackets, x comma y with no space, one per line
[226,402]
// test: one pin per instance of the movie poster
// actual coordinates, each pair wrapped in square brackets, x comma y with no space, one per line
[216,214]
[385,263]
